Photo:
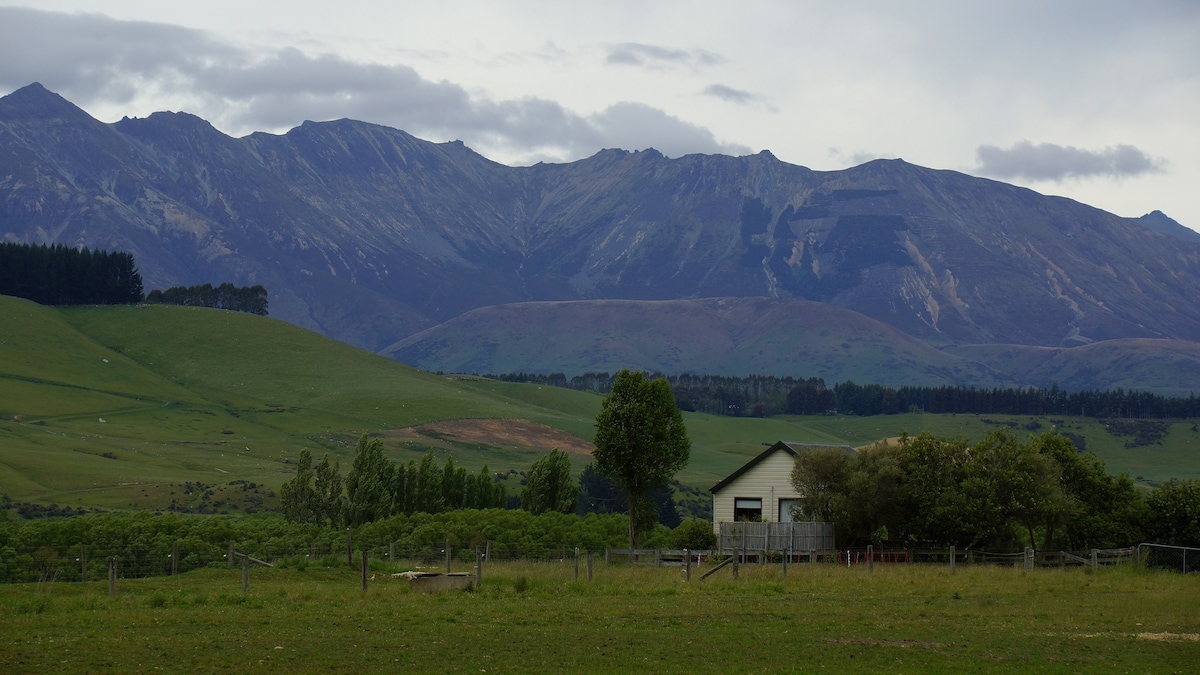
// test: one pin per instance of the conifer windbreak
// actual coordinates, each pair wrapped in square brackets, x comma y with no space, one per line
[62,275]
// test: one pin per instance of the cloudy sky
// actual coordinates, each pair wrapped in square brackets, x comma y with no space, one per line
[1094,100]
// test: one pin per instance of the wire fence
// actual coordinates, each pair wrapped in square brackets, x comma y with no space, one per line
[84,563]
[1182,559]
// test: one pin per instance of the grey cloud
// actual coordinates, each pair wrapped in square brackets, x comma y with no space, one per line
[729,94]
[653,56]
[90,56]
[1048,161]
[92,59]
[638,126]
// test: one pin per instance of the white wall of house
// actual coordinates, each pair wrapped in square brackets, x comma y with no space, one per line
[770,481]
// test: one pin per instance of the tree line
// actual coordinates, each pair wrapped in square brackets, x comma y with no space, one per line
[766,395]
[251,299]
[63,275]
[641,443]
[377,488]
[998,494]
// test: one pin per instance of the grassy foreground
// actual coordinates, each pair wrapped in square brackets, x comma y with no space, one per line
[528,617]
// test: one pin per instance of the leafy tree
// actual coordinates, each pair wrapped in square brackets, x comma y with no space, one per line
[484,491]
[641,442]
[549,485]
[1097,509]
[429,486]
[297,497]
[822,476]
[368,485]
[598,494]
[328,489]
[1175,513]
[454,485]
[404,488]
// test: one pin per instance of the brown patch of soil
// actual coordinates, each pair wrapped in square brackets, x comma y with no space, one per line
[509,432]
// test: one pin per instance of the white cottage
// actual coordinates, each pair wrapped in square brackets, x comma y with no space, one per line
[761,490]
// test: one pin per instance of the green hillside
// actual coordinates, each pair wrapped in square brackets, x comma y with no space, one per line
[99,405]
[123,407]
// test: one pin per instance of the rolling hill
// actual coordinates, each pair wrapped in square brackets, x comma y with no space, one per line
[205,410]
[721,336]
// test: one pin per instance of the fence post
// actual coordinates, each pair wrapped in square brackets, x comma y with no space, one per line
[1095,553]
[112,577]
[447,556]
[687,565]
[812,557]
[870,558]
[952,559]
[589,565]
[364,570]
[229,558]
[736,555]
[786,555]
[576,563]
[478,567]
[349,549]
[245,573]
[175,558]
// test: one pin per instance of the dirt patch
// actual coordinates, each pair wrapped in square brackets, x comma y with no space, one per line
[1170,637]
[903,644]
[502,432]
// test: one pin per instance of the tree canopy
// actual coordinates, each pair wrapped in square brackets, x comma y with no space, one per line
[251,299]
[641,442]
[549,485]
[998,493]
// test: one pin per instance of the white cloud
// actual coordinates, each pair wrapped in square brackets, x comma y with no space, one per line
[1048,161]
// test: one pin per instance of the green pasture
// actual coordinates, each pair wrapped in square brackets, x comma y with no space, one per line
[536,617]
[116,407]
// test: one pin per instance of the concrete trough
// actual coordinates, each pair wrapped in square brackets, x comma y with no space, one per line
[431,583]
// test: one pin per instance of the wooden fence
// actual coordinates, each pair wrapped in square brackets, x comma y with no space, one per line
[776,538]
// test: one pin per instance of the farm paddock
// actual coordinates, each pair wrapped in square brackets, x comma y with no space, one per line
[532,617]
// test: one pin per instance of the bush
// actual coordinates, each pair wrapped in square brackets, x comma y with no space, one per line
[694,535]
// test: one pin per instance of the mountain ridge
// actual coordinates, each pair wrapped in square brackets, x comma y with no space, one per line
[371,235]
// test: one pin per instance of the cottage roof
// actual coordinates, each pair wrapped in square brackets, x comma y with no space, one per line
[791,447]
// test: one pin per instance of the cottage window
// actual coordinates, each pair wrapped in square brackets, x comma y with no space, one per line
[747,510]
[791,510]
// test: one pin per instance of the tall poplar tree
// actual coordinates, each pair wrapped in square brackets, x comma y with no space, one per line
[641,443]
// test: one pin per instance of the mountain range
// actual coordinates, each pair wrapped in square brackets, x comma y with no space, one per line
[439,256]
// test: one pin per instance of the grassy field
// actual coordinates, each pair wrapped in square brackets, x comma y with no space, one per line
[120,407]
[528,617]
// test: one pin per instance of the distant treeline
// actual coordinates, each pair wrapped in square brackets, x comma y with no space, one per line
[764,395]
[252,299]
[62,275]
